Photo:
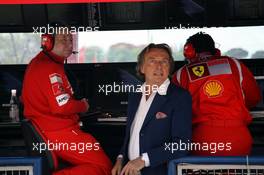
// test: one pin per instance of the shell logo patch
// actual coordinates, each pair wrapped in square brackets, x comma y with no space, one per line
[213,88]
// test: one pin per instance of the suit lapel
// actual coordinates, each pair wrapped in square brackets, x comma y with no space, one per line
[157,103]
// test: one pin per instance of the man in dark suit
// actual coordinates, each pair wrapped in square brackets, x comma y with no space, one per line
[159,117]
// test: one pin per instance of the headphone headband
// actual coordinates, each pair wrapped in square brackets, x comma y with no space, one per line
[191,55]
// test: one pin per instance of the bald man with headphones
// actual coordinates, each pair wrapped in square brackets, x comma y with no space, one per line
[50,105]
[223,90]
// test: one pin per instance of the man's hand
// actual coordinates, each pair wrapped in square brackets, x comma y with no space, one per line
[86,103]
[117,167]
[133,167]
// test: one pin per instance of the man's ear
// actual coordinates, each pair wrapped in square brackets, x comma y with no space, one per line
[141,69]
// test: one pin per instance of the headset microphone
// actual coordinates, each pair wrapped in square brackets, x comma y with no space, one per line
[75,52]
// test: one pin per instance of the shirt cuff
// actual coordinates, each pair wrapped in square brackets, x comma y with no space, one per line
[145,158]
[120,156]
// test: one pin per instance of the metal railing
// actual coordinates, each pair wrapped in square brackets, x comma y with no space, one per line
[20,166]
[217,166]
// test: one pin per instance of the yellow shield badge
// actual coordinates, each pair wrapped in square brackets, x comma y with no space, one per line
[198,70]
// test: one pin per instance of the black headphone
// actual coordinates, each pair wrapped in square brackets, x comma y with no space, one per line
[198,43]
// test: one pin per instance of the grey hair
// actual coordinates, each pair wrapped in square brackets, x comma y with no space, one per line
[141,55]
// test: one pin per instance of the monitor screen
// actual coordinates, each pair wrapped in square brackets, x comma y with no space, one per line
[260,81]
[111,84]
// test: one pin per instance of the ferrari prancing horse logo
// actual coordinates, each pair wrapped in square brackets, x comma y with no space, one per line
[198,70]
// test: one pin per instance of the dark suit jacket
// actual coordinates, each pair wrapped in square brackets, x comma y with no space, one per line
[155,133]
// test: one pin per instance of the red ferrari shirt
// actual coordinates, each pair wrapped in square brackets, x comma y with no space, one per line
[222,88]
[47,94]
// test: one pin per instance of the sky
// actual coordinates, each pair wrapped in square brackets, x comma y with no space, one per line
[248,38]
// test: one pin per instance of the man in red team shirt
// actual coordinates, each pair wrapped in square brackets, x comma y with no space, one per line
[223,90]
[50,105]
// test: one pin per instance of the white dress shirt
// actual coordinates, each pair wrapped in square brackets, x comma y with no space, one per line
[143,108]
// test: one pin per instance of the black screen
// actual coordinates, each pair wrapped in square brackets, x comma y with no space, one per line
[110,93]
[260,105]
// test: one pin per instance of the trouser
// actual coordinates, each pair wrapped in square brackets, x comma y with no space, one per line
[222,139]
[81,150]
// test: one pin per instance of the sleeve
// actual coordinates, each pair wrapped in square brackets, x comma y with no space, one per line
[250,87]
[174,79]
[127,130]
[180,78]
[181,130]
[59,95]
[131,105]
[123,148]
